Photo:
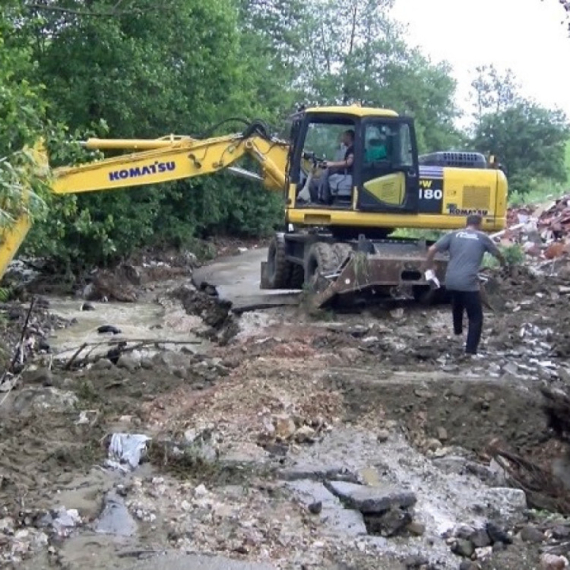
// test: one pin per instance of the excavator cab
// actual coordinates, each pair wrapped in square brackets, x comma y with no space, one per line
[384,177]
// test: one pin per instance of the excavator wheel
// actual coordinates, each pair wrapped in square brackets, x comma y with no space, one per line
[320,261]
[297,276]
[341,251]
[278,268]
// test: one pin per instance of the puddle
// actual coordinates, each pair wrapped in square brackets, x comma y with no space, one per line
[136,321]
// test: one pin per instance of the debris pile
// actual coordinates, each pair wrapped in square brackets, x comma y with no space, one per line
[542,230]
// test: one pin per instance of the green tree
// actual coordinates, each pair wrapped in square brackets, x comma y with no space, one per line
[530,141]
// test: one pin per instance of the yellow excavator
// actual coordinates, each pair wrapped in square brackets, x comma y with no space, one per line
[336,239]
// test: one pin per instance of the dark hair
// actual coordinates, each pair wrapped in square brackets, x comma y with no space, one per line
[350,133]
[474,220]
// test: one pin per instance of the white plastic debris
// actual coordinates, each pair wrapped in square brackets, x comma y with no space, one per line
[126,448]
[430,276]
[64,520]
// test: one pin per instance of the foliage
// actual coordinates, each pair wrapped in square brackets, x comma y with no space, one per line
[530,140]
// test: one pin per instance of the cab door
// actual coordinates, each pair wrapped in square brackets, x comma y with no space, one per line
[387,176]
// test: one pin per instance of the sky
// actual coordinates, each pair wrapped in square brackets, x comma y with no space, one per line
[524,35]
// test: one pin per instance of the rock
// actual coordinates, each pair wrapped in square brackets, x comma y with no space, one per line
[304,434]
[130,360]
[371,499]
[383,435]
[463,547]
[442,434]
[553,562]
[41,376]
[284,426]
[499,546]
[507,501]
[316,507]
[87,307]
[497,534]
[416,561]
[32,400]
[468,565]
[175,561]
[480,538]
[560,531]
[146,363]
[334,516]
[532,534]
[317,473]
[115,518]
[484,552]
[390,523]
[108,329]
[433,444]
[416,528]
[102,364]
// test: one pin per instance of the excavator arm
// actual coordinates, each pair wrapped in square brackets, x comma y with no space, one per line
[156,161]
[172,158]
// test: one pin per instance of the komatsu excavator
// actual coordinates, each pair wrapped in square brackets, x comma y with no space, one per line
[334,248]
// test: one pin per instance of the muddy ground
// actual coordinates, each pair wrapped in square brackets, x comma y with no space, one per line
[281,439]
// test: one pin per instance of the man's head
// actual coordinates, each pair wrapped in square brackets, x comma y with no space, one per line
[474,221]
[348,137]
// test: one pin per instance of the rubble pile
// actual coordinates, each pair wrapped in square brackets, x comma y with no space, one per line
[542,230]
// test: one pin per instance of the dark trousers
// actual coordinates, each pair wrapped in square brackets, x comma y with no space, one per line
[470,302]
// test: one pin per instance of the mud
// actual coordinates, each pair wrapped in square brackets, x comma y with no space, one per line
[249,428]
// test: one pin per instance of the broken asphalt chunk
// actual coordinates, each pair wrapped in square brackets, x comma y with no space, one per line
[370,500]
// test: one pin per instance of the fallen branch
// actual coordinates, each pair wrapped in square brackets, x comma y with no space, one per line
[20,343]
[113,341]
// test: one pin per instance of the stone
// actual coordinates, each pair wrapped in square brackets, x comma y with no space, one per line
[316,507]
[497,534]
[335,518]
[415,561]
[115,518]
[383,435]
[532,534]
[146,363]
[553,562]
[433,444]
[390,523]
[463,547]
[304,433]
[468,565]
[560,532]
[42,376]
[416,528]
[196,562]
[509,502]
[130,360]
[317,473]
[284,426]
[371,499]
[480,538]
[102,364]
[442,434]
[32,400]
[484,552]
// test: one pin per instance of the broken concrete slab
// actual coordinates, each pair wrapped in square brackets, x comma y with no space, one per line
[371,499]
[115,518]
[317,473]
[334,516]
[197,562]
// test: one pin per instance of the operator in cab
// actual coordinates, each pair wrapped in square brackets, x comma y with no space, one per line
[466,249]
[336,180]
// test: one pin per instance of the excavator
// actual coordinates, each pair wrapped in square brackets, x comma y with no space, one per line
[335,248]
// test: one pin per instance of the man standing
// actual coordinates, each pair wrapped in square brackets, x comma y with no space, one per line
[466,250]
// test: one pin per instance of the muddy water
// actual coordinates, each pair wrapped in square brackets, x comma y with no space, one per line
[140,321]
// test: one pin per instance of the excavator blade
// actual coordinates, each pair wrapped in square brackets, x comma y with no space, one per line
[379,274]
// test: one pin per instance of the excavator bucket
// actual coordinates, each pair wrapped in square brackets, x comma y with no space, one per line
[389,269]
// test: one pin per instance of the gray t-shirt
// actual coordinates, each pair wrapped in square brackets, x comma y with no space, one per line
[466,250]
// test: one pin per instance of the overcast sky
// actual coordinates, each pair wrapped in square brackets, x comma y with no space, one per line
[525,35]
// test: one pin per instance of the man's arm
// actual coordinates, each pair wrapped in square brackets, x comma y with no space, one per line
[340,163]
[492,248]
[441,245]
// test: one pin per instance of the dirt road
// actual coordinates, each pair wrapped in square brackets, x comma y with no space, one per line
[282,440]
